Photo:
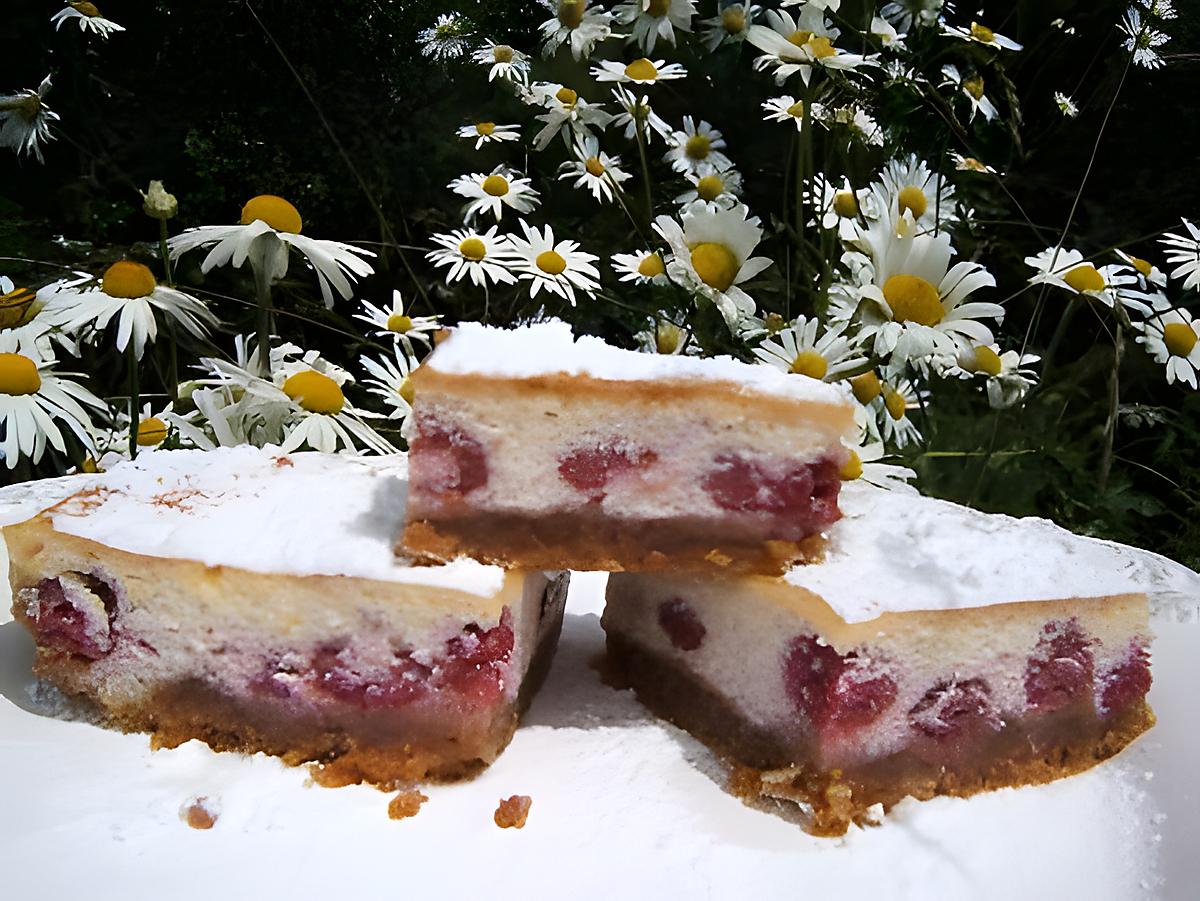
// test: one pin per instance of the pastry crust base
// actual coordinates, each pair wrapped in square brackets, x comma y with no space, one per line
[765,769]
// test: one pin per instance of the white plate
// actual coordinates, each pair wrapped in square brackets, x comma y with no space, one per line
[623,806]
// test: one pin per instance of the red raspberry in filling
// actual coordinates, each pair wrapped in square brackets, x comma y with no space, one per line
[832,690]
[449,460]
[1060,670]
[952,707]
[681,624]
[400,683]
[70,620]
[588,469]
[1127,682]
[805,492]
[477,660]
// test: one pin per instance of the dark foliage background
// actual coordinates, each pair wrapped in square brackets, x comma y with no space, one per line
[225,99]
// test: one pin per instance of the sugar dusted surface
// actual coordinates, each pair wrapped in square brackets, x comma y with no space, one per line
[549,348]
[894,552]
[255,509]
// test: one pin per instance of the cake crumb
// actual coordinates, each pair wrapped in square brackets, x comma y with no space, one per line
[199,813]
[513,811]
[406,804]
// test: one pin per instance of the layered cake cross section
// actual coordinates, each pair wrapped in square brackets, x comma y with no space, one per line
[252,600]
[534,448]
[935,650]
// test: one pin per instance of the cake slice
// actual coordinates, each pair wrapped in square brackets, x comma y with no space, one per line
[935,650]
[252,600]
[532,448]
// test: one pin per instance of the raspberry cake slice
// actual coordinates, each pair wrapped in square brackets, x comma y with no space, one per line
[532,448]
[252,600]
[935,650]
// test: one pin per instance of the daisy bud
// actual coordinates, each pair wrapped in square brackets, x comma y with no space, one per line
[157,203]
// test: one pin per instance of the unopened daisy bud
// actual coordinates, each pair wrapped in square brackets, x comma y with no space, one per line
[774,323]
[157,203]
[667,336]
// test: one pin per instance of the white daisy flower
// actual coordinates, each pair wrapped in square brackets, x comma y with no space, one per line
[492,192]
[970,164]
[653,20]
[1007,376]
[863,463]
[88,18]
[641,267]
[891,408]
[25,120]
[129,293]
[841,205]
[788,109]
[1065,105]
[594,170]
[35,320]
[268,228]
[153,429]
[483,256]
[448,38]
[887,35]
[635,110]
[302,405]
[219,420]
[729,26]
[389,380]
[861,124]
[796,45]
[905,14]
[972,87]
[1068,269]
[576,25]
[711,250]
[503,62]
[393,322]
[640,71]
[1142,40]
[1183,252]
[662,336]
[1173,338]
[1149,282]
[916,306]
[566,113]
[1149,276]
[696,149]
[980,34]
[719,187]
[559,267]
[804,348]
[909,190]
[486,132]
[35,400]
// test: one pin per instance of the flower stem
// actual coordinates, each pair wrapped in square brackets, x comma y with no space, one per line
[640,131]
[1114,401]
[262,290]
[164,253]
[135,400]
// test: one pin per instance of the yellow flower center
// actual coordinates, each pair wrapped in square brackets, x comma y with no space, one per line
[913,199]
[275,211]
[502,53]
[733,20]
[16,307]
[651,265]
[495,185]
[710,187]
[845,204]
[473,249]
[1142,266]
[151,432]
[974,86]
[667,336]
[126,278]
[912,299]
[407,391]
[715,264]
[698,146]
[18,375]
[87,9]
[566,96]
[896,403]
[315,392]
[593,166]
[551,262]
[852,468]
[799,38]
[484,128]
[1085,277]
[641,70]
[658,8]
[809,363]
[982,33]
[570,12]
[866,387]
[1180,338]
[399,323]
[796,110]
[987,360]
[820,47]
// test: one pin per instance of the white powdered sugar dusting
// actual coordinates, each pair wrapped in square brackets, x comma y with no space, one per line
[255,509]
[549,348]
[895,552]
